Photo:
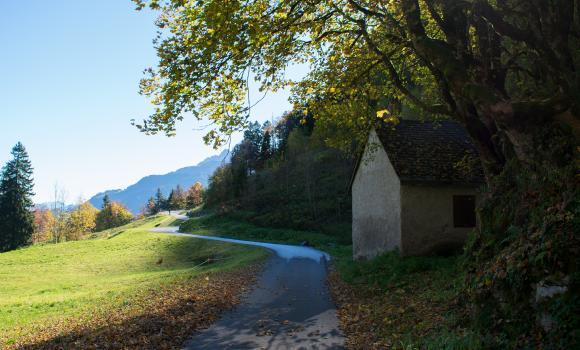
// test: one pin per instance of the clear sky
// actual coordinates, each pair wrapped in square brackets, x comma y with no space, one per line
[68,89]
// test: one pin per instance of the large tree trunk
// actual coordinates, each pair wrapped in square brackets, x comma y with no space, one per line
[486,137]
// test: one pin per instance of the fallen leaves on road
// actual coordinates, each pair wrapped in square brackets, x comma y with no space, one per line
[162,319]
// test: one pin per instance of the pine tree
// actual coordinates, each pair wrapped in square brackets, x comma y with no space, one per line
[171,201]
[16,185]
[265,149]
[251,146]
[106,201]
[160,201]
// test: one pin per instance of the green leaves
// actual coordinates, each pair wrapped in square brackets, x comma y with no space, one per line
[209,51]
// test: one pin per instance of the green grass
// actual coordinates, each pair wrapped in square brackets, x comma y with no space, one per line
[390,269]
[38,283]
[213,225]
[339,231]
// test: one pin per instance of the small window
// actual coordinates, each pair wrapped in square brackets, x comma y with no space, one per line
[464,211]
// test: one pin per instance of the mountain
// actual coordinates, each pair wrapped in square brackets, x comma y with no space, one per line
[52,205]
[135,196]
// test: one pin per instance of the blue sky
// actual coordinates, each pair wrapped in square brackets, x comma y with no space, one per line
[69,79]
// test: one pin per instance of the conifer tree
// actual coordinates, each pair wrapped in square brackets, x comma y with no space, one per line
[170,203]
[265,149]
[106,201]
[160,201]
[16,186]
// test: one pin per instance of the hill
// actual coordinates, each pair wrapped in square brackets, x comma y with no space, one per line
[121,285]
[135,196]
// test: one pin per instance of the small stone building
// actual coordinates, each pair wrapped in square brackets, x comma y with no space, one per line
[415,189]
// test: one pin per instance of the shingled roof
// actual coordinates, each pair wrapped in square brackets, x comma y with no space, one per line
[432,152]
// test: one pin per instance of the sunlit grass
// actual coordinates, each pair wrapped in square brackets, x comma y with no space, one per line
[39,283]
[213,225]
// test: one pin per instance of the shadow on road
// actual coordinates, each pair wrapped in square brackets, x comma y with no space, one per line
[290,309]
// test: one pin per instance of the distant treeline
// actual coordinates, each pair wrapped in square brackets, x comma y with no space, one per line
[283,175]
[178,200]
[57,224]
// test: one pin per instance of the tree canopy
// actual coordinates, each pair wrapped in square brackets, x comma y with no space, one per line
[194,195]
[500,67]
[113,214]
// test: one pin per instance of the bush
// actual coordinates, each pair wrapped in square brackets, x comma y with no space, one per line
[529,239]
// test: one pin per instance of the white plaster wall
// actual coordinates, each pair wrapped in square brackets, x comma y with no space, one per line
[376,203]
[427,219]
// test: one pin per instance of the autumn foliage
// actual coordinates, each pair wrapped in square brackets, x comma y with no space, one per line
[44,223]
[55,225]
[194,196]
[113,214]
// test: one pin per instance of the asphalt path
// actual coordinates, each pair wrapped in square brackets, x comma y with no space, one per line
[290,307]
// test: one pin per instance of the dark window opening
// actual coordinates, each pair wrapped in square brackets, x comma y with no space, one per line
[464,211]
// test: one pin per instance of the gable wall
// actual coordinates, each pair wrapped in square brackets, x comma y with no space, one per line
[376,203]
[427,219]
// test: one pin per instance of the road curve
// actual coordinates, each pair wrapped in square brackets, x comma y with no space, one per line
[290,307]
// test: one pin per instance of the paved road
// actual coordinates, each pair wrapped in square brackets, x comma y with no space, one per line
[290,308]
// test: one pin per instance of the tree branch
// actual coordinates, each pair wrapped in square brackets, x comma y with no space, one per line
[396,80]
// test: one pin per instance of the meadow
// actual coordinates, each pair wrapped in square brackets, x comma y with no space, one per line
[45,284]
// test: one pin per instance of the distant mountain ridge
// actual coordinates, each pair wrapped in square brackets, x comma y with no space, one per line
[52,205]
[135,196]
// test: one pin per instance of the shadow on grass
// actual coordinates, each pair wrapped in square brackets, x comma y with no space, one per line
[167,319]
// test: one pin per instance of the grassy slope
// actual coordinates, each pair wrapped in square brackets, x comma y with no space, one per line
[212,225]
[42,282]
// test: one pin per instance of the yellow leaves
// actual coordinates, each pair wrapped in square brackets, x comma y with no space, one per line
[381,113]
[386,115]
[280,15]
